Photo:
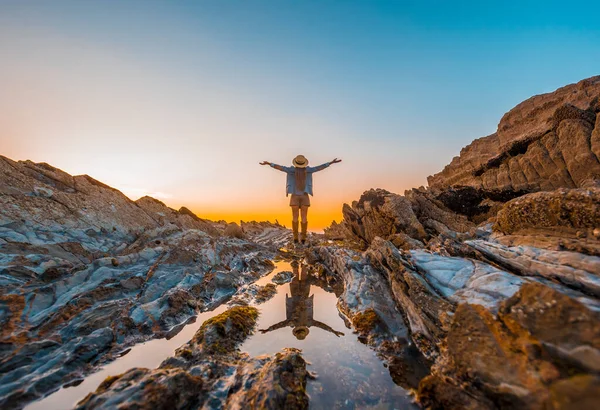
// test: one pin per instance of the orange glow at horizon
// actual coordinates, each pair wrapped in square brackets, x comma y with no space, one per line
[188,133]
[322,212]
[317,221]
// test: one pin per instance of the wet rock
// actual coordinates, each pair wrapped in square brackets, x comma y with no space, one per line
[364,290]
[462,280]
[371,306]
[283,277]
[222,333]
[253,294]
[575,270]
[22,381]
[427,313]
[276,382]
[87,258]
[266,292]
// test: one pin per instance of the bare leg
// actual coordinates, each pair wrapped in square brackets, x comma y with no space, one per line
[304,215]
[295,211]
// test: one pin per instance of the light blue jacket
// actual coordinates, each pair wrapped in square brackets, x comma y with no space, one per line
[291,179]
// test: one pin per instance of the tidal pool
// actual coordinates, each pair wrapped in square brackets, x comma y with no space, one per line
[349,374]
[302,314]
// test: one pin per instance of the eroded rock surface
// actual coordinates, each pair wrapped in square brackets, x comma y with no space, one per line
[540,341]
[368,305]
[574,210]
[408,220]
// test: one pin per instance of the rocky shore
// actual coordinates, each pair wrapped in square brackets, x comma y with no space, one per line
[495,270]
[85,273]
[479,291]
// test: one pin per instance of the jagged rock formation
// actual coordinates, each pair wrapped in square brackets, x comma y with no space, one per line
[408,219]
[491,299]
[548,141]
[368,305]
[495,280]
[86,272]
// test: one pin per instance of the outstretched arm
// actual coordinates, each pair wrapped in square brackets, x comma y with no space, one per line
[323,166]
[326,327]
[277,167]
[276,326]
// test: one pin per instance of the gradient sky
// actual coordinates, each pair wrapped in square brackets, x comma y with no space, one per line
[181,100]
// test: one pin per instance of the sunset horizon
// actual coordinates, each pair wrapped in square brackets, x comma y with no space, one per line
[182,102]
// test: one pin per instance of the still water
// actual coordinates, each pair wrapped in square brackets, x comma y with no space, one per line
[303,314]
[349,374]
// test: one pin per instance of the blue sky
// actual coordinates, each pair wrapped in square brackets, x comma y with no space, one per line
[209,88]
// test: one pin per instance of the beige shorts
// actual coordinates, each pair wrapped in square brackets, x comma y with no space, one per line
[300,200]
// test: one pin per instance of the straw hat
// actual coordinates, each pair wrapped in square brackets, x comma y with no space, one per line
[300,161]
[300,332]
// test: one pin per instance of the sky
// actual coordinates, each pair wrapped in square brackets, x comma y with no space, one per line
[182,100]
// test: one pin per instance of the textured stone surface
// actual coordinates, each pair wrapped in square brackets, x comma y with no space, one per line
[575,209]
[381,213]
[427,313]
[546,142]
[521,357]
[408,219]
[573,269]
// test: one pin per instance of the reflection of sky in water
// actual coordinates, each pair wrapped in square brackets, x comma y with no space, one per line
[349,373]
[149,355]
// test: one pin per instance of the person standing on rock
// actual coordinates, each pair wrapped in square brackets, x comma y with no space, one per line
[299,186]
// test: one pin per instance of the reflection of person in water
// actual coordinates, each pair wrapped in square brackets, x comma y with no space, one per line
[299,307]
